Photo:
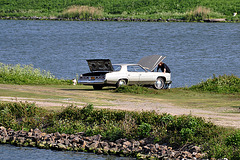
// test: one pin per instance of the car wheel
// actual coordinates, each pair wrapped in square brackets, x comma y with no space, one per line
[159,83]
[97,87]
[121,82]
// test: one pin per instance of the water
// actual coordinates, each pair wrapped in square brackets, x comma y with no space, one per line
[195,51]
[8,152]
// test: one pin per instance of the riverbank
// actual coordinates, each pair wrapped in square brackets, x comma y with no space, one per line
[142,149]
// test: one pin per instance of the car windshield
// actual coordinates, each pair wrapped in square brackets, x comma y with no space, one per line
[116,67]
[135,68]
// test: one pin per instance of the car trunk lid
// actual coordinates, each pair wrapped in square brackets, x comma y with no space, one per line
[98,65]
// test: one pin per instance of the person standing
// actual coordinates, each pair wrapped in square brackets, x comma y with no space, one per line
[164,68]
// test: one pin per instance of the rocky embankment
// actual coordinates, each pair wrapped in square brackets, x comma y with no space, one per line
[142,149]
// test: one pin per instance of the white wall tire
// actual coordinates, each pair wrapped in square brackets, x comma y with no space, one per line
[121,82]
[159,83]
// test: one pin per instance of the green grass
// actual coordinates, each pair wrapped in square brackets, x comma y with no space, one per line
[123,8]
[27,74]
[176,131]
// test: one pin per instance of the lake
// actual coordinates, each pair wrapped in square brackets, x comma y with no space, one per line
[194,51]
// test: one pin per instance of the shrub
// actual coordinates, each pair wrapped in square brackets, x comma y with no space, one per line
[26,74]
[221,84]
[233,140]
[144,130]
[21,115]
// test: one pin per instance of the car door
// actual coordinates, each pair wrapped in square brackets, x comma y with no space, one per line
[133,74]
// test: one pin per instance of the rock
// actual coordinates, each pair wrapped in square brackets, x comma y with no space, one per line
[104,144]
[127,143]
[61,146]
[144,148]
[76,139]
[93,145]
[96,137]
[82,143]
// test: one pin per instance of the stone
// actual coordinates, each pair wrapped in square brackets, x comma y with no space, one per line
[61,146]
[104,144]
[93,145]
[127,144]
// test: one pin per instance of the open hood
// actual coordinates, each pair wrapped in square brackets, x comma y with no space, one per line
[100,65]
[151,62]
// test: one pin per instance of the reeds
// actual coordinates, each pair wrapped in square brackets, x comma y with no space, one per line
[201,13]
[82,12]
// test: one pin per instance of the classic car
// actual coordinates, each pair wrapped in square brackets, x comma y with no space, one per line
[104,73]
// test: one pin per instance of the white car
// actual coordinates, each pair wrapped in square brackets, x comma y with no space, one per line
[103,73]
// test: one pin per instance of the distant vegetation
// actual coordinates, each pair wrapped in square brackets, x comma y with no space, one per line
[175,131]
[26,74]
[191,10]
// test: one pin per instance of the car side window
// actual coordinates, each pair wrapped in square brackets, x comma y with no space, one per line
[116,67]
[135,69]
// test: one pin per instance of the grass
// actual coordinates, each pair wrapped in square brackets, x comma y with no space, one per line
[175,131]
[187,97]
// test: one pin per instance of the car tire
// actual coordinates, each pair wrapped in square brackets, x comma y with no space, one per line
[159,83]
[97,87]
[121,82]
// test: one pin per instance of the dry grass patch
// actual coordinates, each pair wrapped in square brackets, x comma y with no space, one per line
[83,12]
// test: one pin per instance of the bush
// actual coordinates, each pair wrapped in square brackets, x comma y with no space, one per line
[26,74]
[21,115]
[233,140]
[221,84]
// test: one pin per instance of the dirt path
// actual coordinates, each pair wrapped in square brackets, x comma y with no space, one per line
[49,97]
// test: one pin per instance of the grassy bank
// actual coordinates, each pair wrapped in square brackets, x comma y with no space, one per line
[175,131]
[27,74]
[189,10]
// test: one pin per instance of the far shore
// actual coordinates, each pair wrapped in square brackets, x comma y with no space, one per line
[119,19]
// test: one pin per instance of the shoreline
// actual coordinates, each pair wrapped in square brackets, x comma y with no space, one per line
[79,142]
[118,19]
